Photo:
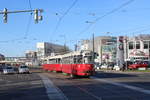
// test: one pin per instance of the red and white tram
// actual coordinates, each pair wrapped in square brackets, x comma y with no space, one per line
[77,63]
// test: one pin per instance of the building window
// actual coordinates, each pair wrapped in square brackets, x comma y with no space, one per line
[145,45]
[149,44]
[131,45]
[137,45]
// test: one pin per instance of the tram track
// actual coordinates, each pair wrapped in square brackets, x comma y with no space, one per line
[89,93]
[86,86]
[76,84]
[85,89]
[96,90]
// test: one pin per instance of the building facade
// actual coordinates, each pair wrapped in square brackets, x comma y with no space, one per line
[137,48]
[31,58]
[45,49]
[104,46]
[31,54]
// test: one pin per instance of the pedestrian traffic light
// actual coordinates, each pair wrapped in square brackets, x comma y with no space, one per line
[5,15]
[36,18]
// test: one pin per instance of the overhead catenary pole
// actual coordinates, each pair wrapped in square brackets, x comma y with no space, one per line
[120,52]
[93,56]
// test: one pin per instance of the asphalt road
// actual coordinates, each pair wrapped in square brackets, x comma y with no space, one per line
[91,89]
[22,87]
[103,86]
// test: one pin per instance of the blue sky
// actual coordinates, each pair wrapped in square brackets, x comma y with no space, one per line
[131,20]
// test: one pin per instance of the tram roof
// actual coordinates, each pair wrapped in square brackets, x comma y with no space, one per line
[75,53]
[54,57]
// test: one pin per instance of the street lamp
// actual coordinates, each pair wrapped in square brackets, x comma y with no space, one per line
[64,36]
[93,48]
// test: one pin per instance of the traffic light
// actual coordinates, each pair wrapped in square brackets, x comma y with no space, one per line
[40,18]
[36,17]
[37,14]
[5,15]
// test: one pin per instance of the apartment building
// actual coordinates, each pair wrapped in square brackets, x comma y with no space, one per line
[137,47]
[104,46]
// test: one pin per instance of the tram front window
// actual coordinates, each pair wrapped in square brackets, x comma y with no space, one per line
[88,60]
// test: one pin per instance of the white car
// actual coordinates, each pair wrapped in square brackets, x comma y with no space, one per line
[104,66]
[8,70]
[116,67]
[23,69]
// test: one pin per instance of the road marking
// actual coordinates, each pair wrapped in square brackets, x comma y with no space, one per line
[84,90]
[123,85]
[52,91]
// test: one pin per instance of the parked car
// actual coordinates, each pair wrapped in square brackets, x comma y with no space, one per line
[1,68]
[138,65]
[110,65]
[23,69]
[116,67]
[104,66]
[97,66]
[8,70]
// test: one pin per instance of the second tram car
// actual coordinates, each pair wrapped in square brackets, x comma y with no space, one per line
[77,63]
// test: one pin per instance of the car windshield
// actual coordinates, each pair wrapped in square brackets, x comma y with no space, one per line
[9,68]
[23,67]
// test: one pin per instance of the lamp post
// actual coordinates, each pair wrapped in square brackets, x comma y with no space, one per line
[64,36]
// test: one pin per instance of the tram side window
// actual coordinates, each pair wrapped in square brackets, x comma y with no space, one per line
[88,59]
[131,46]
[137,45]
[45,61]
[66,60]
[52,61]
[71,60]
[145,45]
[59,61]
[75,60]
[79,59]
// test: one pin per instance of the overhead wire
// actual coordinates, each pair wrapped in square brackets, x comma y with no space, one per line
[29,21]
[30,5]
[133,29]
[26,31]
[106,14]
[28,26]
[143,30]
[61,18]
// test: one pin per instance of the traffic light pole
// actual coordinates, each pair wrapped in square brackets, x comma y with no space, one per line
[19,11]
[93,56]
[36,16]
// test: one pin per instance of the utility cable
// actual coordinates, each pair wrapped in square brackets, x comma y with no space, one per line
[30,5]
[133,29]
[29,22]
[26,31]
[61,18]
[143,30]
[28,26]
[106,14]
